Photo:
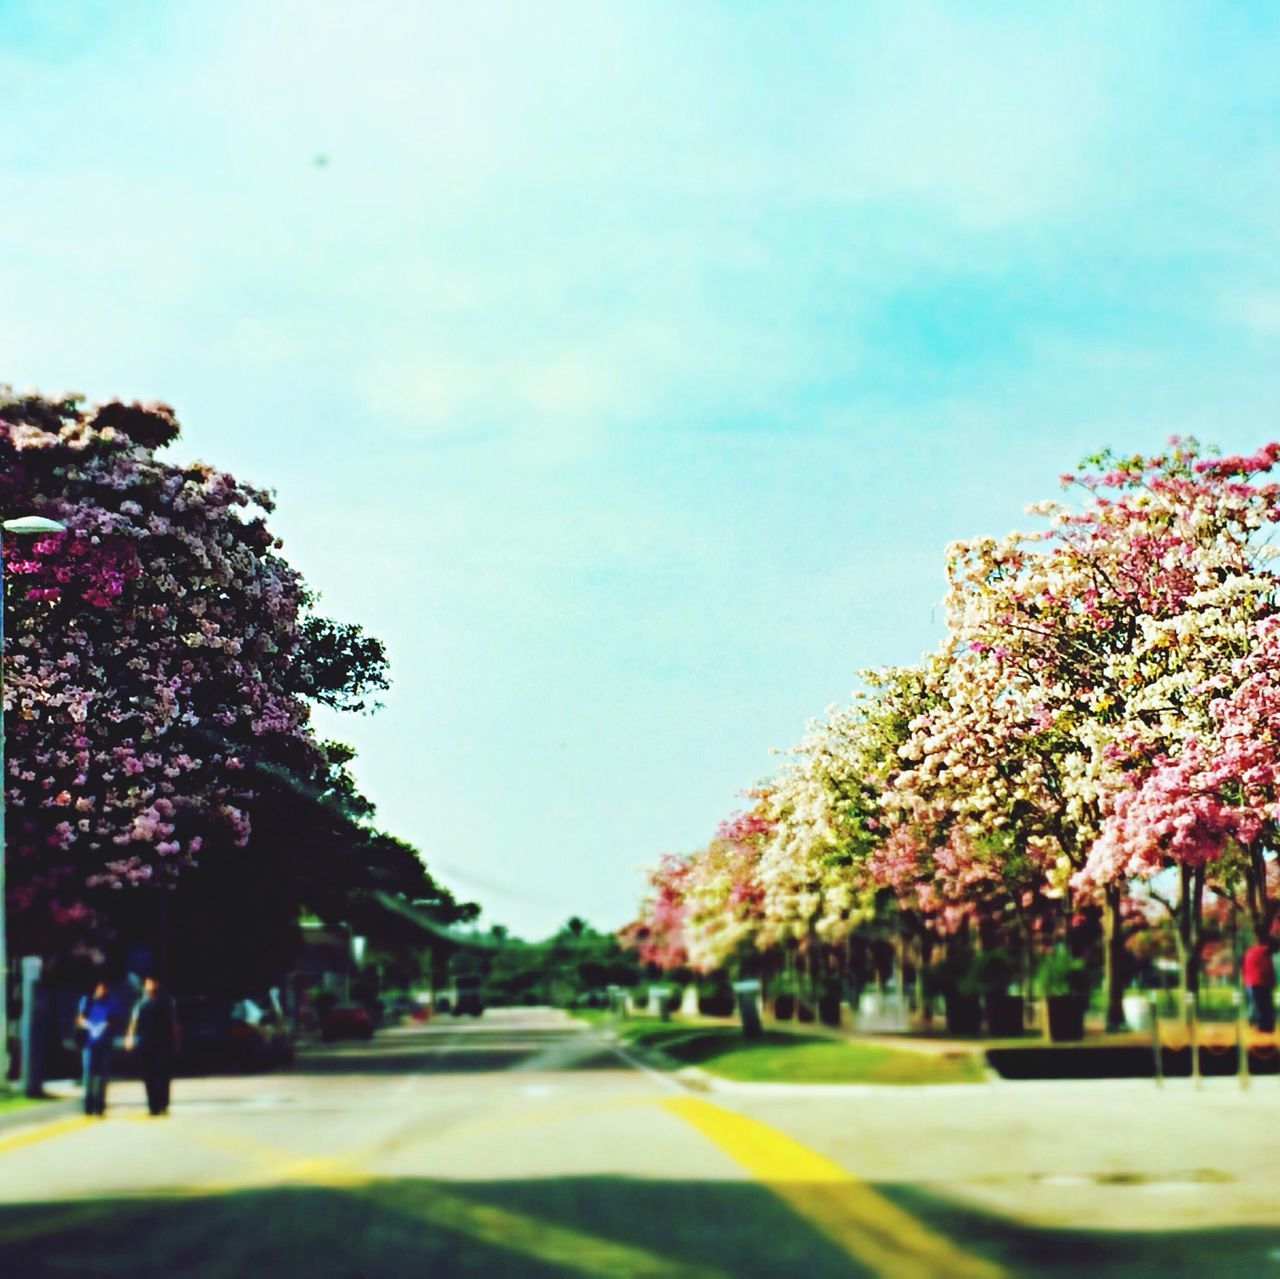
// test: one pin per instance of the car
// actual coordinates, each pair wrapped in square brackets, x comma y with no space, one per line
[275,1028]
[346,1021]
[467,1001]
[223,1033]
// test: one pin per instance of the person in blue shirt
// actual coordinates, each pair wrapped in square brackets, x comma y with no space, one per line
[95,1021]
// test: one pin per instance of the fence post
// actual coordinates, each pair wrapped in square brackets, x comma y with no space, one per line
[1193,1037]
[1242,1037]
[1157,1050]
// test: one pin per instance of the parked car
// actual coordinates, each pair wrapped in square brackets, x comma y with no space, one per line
[229,1034]
[468,1001]
[275,1028]
[346,1021]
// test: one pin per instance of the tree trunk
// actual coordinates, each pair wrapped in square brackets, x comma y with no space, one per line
[1262,909]
[923,992]
[1190,906]
[1113,933]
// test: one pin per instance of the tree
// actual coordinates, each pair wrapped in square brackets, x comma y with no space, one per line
[154,651]
[1119,623]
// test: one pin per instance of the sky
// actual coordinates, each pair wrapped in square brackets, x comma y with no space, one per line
[627,367]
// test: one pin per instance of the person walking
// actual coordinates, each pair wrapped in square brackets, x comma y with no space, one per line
[95,1029]
[1258,973]
[153,1033]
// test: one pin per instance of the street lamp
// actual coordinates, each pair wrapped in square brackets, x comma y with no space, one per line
[29,525]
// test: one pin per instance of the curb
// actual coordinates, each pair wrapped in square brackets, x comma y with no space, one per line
[38,1113]
[695,1079]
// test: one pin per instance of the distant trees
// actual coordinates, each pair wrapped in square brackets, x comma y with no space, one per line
[575,962]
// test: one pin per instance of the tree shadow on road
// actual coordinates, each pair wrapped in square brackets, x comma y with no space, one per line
[595,1226]
[586,1226]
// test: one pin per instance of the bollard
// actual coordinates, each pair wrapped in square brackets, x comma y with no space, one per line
[31,1080]
[616,1000]
[1193,1037]
[748,993]
[1156,1048]
[1242,1037]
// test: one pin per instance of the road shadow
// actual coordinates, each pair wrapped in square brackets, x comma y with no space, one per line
[596,1226]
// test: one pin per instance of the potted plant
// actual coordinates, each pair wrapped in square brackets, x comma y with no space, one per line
[784,1002]
[961,995]
[1065,985]
[993,973]
[1137,1009]
[829,1002]
[715,999]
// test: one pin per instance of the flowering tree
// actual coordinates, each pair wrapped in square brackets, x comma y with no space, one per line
[1121,622]
[1106,706]
[1215,803]
[723,897]
[156,653]
[828,812]
[658,935]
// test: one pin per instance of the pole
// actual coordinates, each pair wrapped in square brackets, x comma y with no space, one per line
[1157,1050]
[33,525]
[1193,1038]
[31,1054]
[4,941]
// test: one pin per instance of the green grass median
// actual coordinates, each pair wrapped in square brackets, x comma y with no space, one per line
[789,1057]
[10,1101]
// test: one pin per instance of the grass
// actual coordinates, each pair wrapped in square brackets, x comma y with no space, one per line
[592,1016]
[788,1057]
[12,1101]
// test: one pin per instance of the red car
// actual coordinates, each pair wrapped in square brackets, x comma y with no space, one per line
[346,1021]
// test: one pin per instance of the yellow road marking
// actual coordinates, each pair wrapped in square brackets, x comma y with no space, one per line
[42,1132]
[566,1249]
[572,1251]
[871,1229]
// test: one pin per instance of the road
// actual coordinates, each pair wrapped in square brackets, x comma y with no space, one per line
[524,1144]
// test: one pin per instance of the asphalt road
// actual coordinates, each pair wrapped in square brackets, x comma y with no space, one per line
[523,1144]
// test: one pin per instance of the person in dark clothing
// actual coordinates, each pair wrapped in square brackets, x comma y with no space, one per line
[153,1033]
[95,1027]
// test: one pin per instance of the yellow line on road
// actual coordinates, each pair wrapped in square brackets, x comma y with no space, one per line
[875,1232]
[569,1250]
[565,1249]
[42,1132]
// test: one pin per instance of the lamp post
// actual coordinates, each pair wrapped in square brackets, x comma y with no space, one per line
[30,525]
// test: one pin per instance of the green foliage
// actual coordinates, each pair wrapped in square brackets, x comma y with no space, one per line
[1062,973]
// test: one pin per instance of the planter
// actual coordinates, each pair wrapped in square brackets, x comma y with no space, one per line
[870,1006]
[1004,1015]
[964,1014]
[1066,1017]
[784,1007]
[718,1003]
[829,1010]
[1137,1012]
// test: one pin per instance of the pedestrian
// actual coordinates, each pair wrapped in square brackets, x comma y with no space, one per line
[153,1033]
[1258,973]
[95,1031]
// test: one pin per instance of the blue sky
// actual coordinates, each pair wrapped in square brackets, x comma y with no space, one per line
[627,367]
